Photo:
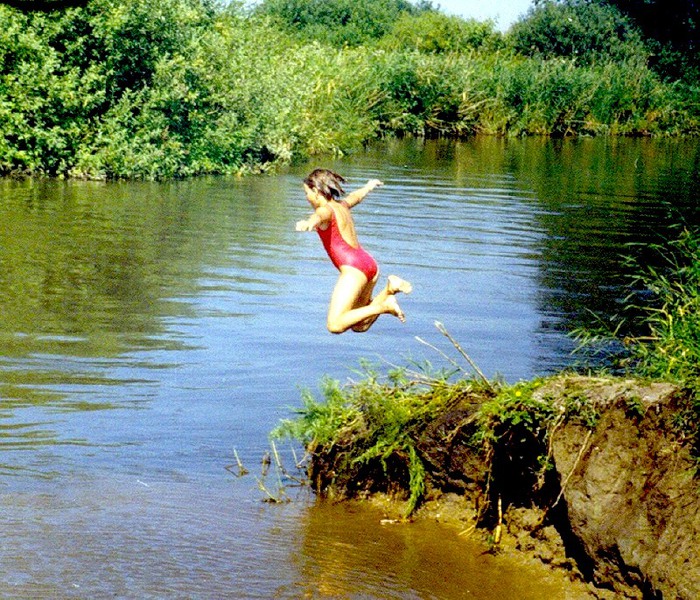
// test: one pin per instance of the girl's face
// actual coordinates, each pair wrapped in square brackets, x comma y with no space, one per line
[315,199]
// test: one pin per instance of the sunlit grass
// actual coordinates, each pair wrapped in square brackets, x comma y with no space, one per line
[671,348]
[376,419]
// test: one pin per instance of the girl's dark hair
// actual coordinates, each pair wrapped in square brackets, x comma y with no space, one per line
[325,182]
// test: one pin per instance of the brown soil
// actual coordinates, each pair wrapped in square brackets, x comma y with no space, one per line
[618,514]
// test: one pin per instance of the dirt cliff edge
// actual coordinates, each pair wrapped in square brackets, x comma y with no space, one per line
[619,500]
[631,498]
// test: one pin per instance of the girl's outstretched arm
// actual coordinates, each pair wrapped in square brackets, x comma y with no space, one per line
[357,196]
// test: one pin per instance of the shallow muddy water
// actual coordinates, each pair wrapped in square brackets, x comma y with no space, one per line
[149,331]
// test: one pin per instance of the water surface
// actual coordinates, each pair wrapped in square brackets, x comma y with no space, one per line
[149,329]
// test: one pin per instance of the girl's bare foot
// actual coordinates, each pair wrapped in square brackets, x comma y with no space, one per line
[395,284]
[392,307]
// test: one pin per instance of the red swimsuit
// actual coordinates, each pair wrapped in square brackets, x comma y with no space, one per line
[343,254]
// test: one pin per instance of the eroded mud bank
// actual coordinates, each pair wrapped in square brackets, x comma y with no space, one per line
[608,493]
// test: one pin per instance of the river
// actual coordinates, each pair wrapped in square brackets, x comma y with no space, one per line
[152,334]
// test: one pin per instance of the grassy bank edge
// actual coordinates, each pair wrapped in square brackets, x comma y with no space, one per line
[370,436]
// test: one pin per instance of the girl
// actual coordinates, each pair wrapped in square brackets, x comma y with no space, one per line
[351,306]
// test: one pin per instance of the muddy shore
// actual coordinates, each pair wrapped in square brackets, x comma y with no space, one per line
[616,507]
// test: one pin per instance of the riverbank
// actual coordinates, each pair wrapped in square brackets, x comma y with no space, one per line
[593,476]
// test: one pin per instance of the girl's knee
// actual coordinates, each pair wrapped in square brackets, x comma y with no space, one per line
[334,326]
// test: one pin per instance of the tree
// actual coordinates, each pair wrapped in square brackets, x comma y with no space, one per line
[580,29]
[43,5]
[339,22]
[437,33]
[674,27]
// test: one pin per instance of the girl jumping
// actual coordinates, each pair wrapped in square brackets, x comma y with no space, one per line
[352,305]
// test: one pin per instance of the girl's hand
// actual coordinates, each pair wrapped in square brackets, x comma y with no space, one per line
[305,225]
[354,198]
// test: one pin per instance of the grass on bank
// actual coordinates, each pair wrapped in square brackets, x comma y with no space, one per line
[371,429]
[375,419]
[380,418]
[658,335]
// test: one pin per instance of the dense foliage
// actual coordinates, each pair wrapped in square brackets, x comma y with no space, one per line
[435,32]
[173,88]
[672,28]
[589,33]
[338,22]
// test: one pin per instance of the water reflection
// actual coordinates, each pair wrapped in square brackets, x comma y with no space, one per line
[100,271]
[600,197]
[95,275]
[147,329]
[105,289]
[79,271]
[347,553]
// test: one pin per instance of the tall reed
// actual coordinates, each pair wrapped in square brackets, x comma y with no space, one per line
[658,333]
[671,347]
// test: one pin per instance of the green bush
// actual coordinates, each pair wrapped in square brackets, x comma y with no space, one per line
[44,103]
[178,88]
[132,36]
[337,22]
[630,98]
[439,33]
[577,29]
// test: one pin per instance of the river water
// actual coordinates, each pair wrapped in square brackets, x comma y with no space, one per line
[152,334]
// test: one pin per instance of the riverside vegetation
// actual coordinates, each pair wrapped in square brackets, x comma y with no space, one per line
[109,89]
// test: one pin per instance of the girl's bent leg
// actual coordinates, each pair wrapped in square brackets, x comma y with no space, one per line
[345,310]
[394,285]
[364,299]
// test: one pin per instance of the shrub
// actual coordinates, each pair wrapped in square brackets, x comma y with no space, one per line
[435,32]
[577,29]
[337,22]
[177,88]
